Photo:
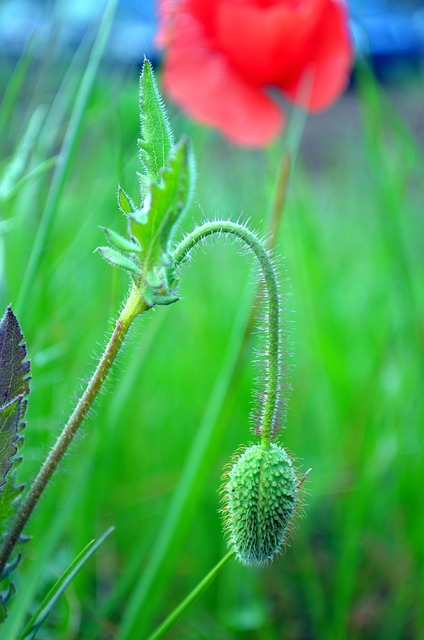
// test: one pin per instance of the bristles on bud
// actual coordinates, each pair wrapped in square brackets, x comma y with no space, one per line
[260,500]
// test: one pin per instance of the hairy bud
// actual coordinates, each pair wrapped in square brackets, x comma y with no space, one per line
[260,499]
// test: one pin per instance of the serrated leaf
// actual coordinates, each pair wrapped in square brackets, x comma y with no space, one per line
[11,566]
[156,139]
[4,599]
[121,243]
[14,387]
[10,496]
[166,183]
[166,203]
[118,260]
[184,167]
[9,423]
[124,201]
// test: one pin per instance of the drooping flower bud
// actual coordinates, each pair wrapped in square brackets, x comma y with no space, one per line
[260,498]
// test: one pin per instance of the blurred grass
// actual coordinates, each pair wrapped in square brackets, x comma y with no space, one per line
[352,236]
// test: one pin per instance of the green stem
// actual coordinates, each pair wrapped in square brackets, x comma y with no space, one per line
[133,307]
[190,599]
[181,253]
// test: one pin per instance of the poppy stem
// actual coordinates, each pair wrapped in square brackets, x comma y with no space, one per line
[251,240]
[280,193]
[133,307]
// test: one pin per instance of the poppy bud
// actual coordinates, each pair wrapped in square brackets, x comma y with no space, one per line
[260,502]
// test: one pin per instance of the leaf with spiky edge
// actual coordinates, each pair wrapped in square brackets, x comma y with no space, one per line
[166,204]
[4,599]
[157,138]
[14,387]
[166,183]
[9,422]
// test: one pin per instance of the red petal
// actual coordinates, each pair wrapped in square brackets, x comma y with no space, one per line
[200,80]
[264,41]
[170,11]
[326,64]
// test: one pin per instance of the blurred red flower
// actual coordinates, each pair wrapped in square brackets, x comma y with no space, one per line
[221,57]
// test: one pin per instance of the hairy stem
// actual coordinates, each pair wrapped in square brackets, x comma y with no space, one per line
[133,307]
[273,323]
[190,599]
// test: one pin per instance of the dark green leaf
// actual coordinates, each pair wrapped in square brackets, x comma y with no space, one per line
[9,423]
[10,495]
[14,387]
[4,599]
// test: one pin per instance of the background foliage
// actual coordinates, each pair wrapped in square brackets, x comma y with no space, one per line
[352,237]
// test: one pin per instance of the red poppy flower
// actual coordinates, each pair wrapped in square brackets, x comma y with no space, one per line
[222,56]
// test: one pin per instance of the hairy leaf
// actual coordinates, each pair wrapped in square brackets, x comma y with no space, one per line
[166,181]
[124,201]
[117,259]
[14,387]
[166,203]
[156,135]
[121,243]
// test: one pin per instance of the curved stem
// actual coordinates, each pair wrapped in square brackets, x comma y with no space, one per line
[133,307]
[190,599]
[273,322]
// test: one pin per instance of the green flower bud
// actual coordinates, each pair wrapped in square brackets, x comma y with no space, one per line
[260,502]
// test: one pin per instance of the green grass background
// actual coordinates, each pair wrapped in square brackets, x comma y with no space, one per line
[151,454]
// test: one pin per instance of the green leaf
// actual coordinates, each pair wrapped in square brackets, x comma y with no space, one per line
[59,587]
[166,203]
[14,387]
[121,243]
[4,599]
[9,435]
[17,167]
[10,495]
[124,201]
[166,182]
[118,260]
[156,139]
[152,298]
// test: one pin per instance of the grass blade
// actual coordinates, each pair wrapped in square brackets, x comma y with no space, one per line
[59,587]
[191,599]
[68,150]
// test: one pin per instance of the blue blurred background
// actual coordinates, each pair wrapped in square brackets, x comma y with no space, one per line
[390,33]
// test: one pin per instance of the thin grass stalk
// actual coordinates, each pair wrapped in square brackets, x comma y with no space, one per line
[67,153]
[176,614]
